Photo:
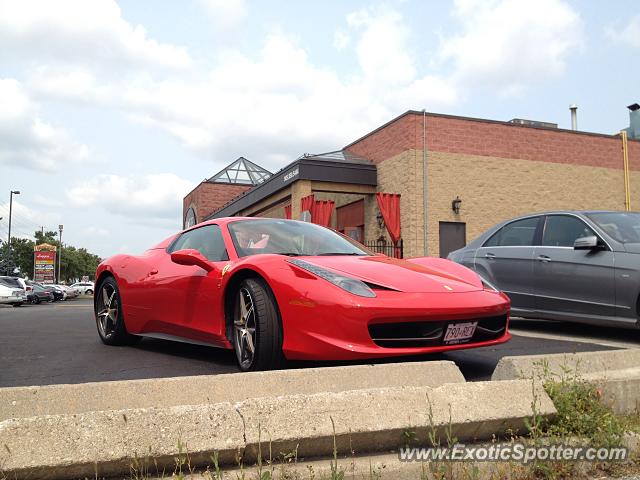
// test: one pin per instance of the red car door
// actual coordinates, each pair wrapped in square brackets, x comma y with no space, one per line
[187,301]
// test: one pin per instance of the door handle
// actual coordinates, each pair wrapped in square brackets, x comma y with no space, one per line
[544,258]
[153,272]
[490,255]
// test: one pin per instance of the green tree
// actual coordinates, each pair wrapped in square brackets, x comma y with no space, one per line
[76,262]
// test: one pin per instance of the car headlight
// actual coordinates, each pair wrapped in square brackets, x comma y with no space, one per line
[351,285]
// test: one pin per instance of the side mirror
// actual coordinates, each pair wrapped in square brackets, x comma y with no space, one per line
[586,243]
[190,256]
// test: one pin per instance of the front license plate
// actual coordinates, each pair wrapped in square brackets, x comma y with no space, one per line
[459,332]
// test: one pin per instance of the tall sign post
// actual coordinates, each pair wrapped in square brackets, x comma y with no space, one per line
[44,261]
[60,258]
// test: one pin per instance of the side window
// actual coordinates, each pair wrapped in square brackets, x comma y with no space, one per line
[515,234]
[207,240]
[562,231]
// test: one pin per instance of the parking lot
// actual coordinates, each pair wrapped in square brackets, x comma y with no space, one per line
[57,343]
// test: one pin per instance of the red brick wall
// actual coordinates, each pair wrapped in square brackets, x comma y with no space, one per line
[210,197]
[494,139]
[393,138]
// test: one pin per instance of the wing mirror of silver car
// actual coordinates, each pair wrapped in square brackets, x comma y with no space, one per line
[587,243]
[190,256]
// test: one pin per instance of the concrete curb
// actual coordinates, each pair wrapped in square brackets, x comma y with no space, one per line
[616,372]
[106,443]
[195,390]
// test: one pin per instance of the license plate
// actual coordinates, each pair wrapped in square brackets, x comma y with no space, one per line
[459,332]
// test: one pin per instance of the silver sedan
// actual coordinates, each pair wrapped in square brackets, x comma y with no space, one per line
[576,266]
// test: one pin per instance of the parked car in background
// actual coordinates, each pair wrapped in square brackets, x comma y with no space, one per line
[86,288]
[577,266]
[16,282]
[38,294]
[57,293]
[71,292]
[12,295]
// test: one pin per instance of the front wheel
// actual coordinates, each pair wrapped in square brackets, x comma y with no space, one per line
[89,292]
[257,336]
[109,317]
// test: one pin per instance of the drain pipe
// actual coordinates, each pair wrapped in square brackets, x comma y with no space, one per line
[424,180]
[625,166]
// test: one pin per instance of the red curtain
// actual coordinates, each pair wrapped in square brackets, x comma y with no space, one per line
[321,214]
[287,212]
[389,204]
[306,203]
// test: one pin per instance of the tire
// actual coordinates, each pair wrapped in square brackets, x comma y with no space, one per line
[107,308]
[37,300]
[89,292]
[257,325]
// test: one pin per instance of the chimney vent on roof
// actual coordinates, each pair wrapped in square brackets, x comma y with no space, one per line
[574,116]
[634,121]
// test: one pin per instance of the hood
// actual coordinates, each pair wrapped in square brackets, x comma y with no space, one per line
[400,275]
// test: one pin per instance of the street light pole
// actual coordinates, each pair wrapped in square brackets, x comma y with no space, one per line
[60,227]
[13,192]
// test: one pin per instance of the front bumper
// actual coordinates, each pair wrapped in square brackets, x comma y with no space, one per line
[340,326]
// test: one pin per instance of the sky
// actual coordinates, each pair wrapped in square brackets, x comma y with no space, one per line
[111,112]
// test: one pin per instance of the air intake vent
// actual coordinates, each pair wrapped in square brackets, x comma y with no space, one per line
[634,122]
[533,123]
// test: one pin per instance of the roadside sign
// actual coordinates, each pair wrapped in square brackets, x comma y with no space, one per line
[44,260]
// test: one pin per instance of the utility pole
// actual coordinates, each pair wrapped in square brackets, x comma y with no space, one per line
[10,263]
[60,227]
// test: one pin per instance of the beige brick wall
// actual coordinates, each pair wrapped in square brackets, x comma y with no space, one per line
[403,174]
[495,189]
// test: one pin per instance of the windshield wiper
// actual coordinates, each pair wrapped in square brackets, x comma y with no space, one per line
[289,254]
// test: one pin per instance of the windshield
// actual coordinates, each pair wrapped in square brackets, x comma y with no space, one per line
[289,237]
[623,227]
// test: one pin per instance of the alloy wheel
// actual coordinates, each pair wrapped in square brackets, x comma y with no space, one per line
[244,324]
[108,314]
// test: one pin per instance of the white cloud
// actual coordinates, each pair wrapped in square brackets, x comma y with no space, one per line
[69,83]
[225,13]
[29,141]
[151,199]
[382,48]
[341,40]
[629,33]
[93,231]
[26,220]
[510,44]
[90,32]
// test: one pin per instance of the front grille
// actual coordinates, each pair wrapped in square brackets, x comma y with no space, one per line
[430,333]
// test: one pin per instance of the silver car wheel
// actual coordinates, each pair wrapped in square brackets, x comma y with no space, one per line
[244,324]
[108,314]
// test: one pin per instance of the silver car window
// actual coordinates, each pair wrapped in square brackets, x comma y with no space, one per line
[563,230]
[515,234]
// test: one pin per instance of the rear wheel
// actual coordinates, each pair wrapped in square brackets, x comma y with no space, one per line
[109,317]
[89,292]
[257,337]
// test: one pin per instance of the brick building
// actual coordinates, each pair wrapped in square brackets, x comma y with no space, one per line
[456,176]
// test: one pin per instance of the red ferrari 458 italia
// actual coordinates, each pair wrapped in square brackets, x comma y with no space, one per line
[276,289]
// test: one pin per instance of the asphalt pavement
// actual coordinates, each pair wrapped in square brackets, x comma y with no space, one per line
[58,343]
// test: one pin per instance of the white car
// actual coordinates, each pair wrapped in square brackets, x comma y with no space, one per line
[12,296]
[85,288]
